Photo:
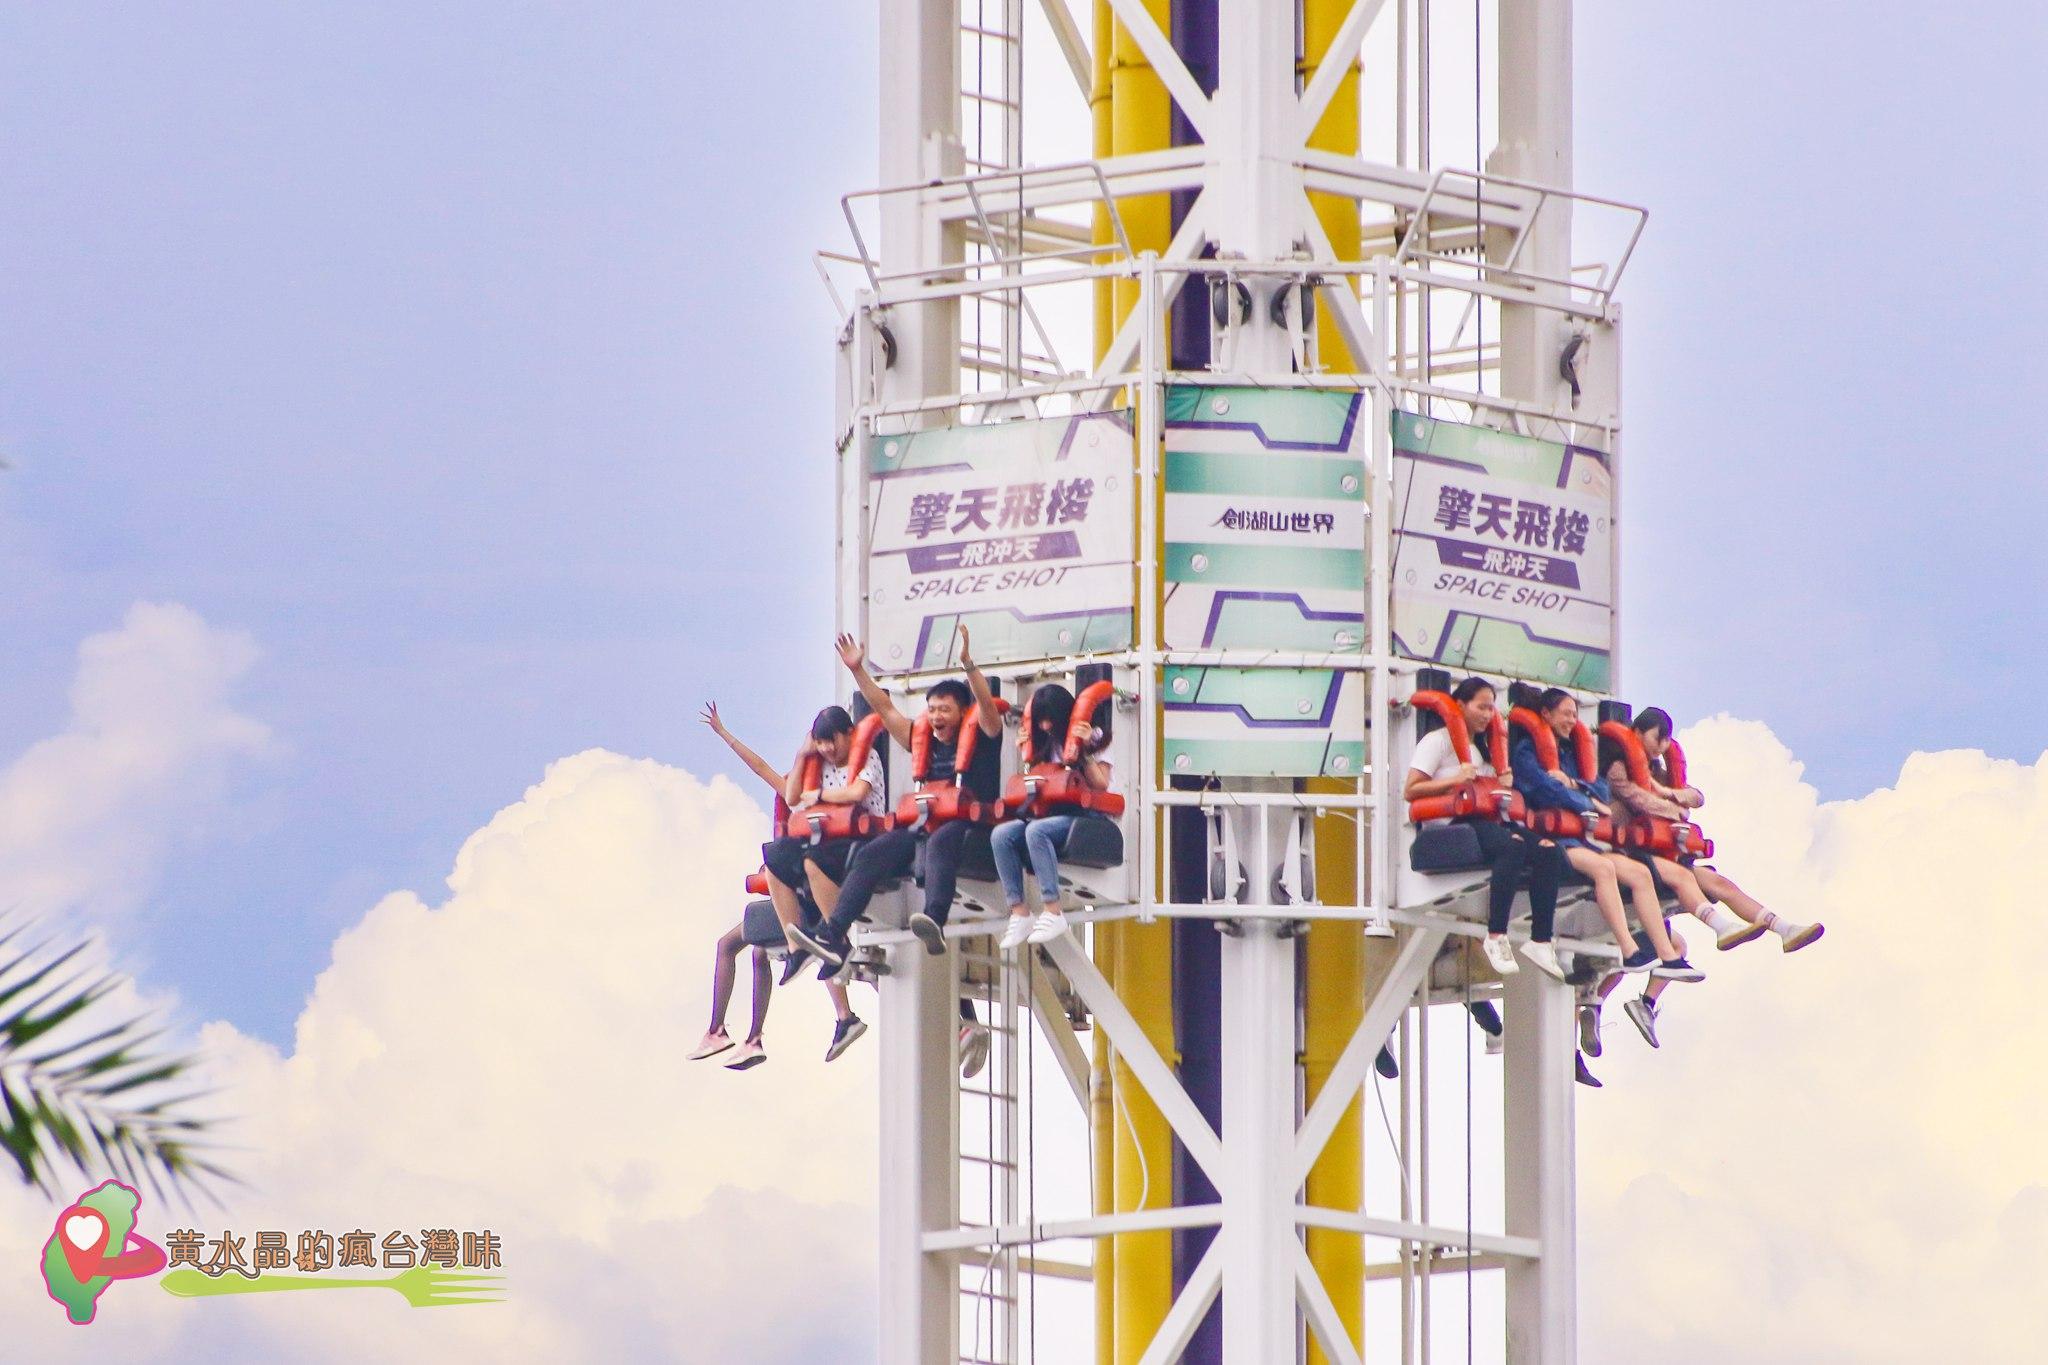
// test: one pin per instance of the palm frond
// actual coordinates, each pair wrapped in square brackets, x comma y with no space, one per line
[93,1095]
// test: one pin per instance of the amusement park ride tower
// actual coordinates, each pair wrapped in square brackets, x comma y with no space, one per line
[1344,421]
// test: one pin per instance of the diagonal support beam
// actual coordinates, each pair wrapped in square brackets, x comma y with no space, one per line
[1349,1074]
[1066,1048]
[1186,1314]
[1323,1318]
[1339,298]
[1167,65]
[1072,45]
[1186,245]
[1142,1058]
[1343,51]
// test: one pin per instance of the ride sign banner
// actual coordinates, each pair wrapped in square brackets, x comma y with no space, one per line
[1503,553]
[1022,531]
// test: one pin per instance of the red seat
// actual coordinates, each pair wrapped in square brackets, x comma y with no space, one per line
[940,803]
[821,822]
[1048,788]
[1483,798]
[1655,834]
[1564,824]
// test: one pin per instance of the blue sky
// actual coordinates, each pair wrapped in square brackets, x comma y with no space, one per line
[471,359]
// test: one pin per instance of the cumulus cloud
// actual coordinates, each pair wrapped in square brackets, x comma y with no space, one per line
[512,1059]
[87,816]
[1832,1158]
[1836,1156]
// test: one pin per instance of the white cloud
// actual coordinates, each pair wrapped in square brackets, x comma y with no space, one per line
[1836,1155]
[512,1059]
[87,815]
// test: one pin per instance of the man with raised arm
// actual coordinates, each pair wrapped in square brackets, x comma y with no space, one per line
[893,855]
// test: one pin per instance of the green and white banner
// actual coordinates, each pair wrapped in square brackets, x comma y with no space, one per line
[1264,722]
[1265,519]
[1503,553]
[1022,530]
[1265,549]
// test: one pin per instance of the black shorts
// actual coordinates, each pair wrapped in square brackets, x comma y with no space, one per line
[832,856]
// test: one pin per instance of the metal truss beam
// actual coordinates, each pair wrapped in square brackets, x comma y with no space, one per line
[1348,1075]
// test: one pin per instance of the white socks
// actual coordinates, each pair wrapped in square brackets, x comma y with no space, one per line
[1719,918]
[1779,925]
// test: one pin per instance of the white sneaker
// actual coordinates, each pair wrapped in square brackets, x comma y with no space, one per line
[746,1055]
[1501,954]
[714,1043]
[1015,932]
[1049,925]
[1801,935]
[1543,957]
[973,1049]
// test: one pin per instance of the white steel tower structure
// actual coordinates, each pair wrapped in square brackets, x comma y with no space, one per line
[1291,342]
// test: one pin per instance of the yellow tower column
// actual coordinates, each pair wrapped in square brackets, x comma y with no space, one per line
[1336,132]
[1139,958]
[1335,986]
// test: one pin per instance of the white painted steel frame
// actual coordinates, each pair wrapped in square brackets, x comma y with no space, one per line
[1253,175]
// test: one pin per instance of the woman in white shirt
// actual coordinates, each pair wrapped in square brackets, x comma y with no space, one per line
[1510,850]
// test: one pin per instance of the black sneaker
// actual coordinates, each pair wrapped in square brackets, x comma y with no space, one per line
[1487,1017]
[928,932]
[1642,960]
[844,1034]
[821,944]
[1386,1065]
[1583,1076]
[843,971]
[1642,1012]
[1678,969]
[1589,1030]
[792,966]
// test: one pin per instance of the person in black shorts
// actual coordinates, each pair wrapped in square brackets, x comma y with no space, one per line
[793,860]
[889,856]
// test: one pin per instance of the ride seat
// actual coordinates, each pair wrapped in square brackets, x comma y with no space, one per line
[1095,841]
[1446,848]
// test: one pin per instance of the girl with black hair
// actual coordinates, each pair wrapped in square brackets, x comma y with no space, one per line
[1042,838]
[1609,872]
[1510,850]
[1673,799]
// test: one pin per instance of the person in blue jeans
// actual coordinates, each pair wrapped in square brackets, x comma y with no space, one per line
[1042,838]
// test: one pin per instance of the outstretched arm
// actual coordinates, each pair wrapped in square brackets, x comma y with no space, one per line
[853,654]
[793,782]
[984,700]
[755,763]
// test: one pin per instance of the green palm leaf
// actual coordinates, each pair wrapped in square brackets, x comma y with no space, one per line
[85,1093]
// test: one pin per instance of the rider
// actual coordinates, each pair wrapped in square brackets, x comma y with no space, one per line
[1043,836]
[1701,891]
[1653,726]
[793,860]
[893,854]
[1436,770]
[1553,789]
[725,961]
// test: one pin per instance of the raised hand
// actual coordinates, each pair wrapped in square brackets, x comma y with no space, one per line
[966,659]
[851,652]
[709,715]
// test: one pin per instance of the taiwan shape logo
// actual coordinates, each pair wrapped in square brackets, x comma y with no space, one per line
[76,1266]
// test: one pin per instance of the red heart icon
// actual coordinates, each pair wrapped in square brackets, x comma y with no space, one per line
[82,1232]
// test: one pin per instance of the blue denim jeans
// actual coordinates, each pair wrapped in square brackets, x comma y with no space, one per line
[1043,839]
